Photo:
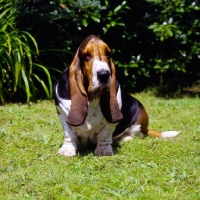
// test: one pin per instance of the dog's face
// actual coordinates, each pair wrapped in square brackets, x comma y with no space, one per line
[92,76]
[95,65]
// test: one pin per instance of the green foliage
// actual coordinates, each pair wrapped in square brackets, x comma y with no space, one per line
[17,69]
[154,42]
[81,11]
[177,27]
[163,31]
[61,19]
[112,18]
[143,169]
[158,44]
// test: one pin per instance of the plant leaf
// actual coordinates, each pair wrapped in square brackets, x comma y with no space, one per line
[43,85]
[26,83]
[50,94]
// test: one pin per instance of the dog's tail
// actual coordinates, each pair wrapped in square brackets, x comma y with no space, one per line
[165,134]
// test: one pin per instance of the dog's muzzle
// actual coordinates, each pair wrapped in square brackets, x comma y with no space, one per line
[103,76]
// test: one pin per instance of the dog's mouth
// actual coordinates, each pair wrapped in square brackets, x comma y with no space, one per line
[101,88]
[104,88]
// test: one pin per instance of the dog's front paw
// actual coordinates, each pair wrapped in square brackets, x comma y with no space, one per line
[67,150]
[105,150]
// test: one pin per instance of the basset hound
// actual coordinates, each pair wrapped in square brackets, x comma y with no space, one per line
[91,105]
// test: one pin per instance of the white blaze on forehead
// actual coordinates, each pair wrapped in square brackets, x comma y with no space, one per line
[99,65]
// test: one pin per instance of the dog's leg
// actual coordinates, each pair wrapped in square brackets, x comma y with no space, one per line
[69,147]
[132,132]
[104,141]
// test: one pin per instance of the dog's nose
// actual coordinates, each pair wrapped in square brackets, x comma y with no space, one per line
[103,76]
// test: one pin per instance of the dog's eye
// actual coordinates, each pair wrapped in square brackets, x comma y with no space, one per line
[87,57]
[108,55]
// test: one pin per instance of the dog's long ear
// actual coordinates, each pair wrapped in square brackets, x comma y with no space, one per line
[108,102]
[79,103]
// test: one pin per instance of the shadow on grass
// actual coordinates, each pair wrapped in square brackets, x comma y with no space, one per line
[171,92]
[86,150]
[186,92]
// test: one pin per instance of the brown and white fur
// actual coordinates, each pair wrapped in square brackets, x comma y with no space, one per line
[92,106]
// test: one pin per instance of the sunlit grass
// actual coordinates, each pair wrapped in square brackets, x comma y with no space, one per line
[147,168]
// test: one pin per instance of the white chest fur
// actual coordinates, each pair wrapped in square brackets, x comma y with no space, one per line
[93,119]
[92,125]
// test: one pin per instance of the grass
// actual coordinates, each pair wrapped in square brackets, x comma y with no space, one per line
[141,169]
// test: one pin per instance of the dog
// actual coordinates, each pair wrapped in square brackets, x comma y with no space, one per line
[91,105]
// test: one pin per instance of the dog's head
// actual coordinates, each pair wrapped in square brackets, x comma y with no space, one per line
[92,74]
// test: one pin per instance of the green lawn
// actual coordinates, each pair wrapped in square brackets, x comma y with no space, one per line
[147,168]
